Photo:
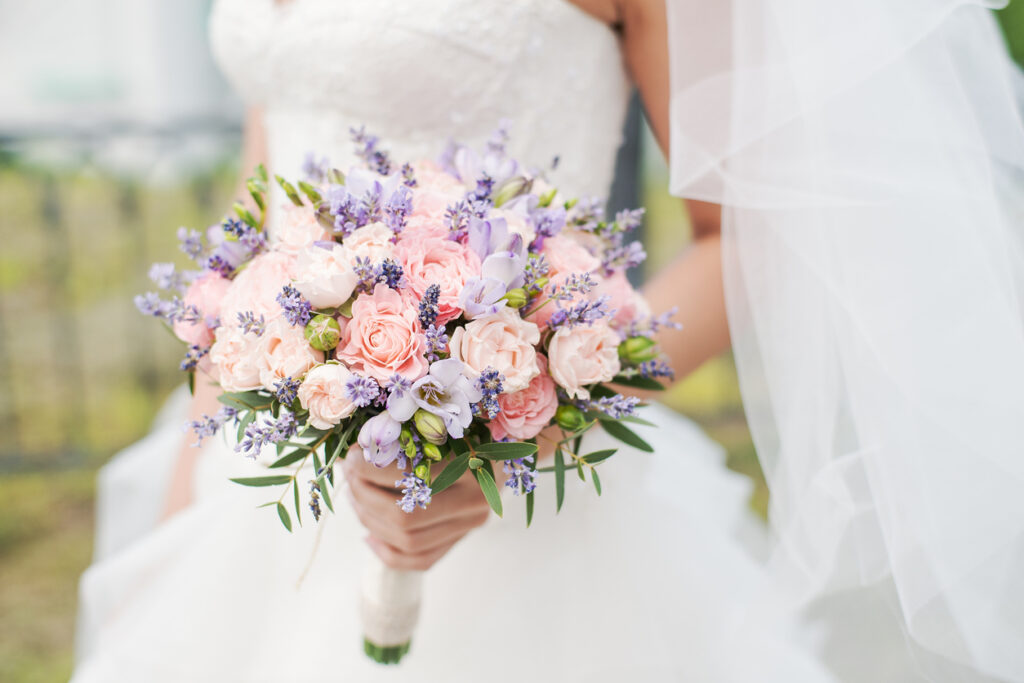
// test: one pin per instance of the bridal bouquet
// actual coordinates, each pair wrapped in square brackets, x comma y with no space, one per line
[437,315]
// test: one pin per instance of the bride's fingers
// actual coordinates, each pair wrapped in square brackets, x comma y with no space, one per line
[396,559]
[418,541]
[381,505]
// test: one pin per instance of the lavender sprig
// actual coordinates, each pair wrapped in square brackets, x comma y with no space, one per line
[616,407]
[521,478]
[428,306]
[415,492]
[191,243]
[250,324]
[585,312]
[397,207]
[437,341]
[192,357]
[655,369]
[297,310]
[361,390]
[457,216]
[366,149]
[408,179]
[207,426]
[287,390]
[490,385]
[271,431]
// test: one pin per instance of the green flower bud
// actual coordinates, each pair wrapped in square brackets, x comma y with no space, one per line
[422,471]
[323,332]
[289,190]
[539,284]
[431,451]
[244,214]
[510,189]
[570,418]
[430,426]
[571,203]
[408,445]
[335,177]
[638,350]
[517,297]
[546,198]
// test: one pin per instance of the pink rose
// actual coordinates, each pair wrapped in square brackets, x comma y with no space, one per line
[284,352]
[234,355]
[325,276]
[383,337]
[502,341]
[423,228]
[322,393]
[583,355]
[525,413]
[257,286]
[372,241]
[566,256]
[623,299]
[298,230]
[442,262]
[435,190]
[205,293]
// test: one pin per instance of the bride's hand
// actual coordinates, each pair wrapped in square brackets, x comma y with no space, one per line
[411,540]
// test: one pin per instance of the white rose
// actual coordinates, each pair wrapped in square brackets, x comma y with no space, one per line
[325,276]
[322,393]
[583,355]
[503,341]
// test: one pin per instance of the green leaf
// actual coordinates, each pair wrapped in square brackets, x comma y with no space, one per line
[298,508]
[249,418]
[192,383]
[459,446]
[261,172]
[602,417]
[321,481]
[309,191]
[505,451]
[325,494]
[579,471]
[626,436]
[233,403]
[314,432]
[529,509]
[599,456]
[285,519]
[455,469]
[639,382]
[272,480]
[475,463]
[559,480]
[596,479]
[490,489]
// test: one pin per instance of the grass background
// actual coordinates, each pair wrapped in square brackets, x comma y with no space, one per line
[90,260]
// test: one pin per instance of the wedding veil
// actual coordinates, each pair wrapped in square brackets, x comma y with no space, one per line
[870,158]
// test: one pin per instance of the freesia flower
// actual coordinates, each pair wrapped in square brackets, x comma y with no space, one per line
[444,391]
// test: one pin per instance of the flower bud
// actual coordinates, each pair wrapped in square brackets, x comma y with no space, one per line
[570,418]
[638,350]
[430,426]
[422,471]
[323,332]
[510,189]
[408,445]
[516,298]
[431,451]
[545,199]
[539,284]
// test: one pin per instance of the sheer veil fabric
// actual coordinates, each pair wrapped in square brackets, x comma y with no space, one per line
[871,159]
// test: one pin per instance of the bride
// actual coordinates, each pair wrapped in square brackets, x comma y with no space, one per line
[650,581]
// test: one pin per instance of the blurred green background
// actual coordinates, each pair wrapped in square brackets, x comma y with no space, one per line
[83,374]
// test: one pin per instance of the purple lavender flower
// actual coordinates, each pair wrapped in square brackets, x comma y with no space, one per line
[313,169]
[617,406]
[397,207]
[366,149]
[249,323]
[622,257]
[547,222]
[490,385]
[537,267]
[483,189]
[390,273]
[191,243]
[408,179]
[271,431]
[297,310]
[445,392]
[577,283]
[655,369]
[192,357]
[415,492]
[629,220]
[650,326]
[428,306]
[437,341]
[457,216]
[287,390]
[583,312]
[207,426]
[150,303]
[521,477]
[587,214]
[177,310]
[361,390]
[314,499]
[166,276]
[397,384]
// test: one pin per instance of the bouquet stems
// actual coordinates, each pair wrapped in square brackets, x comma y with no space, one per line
[390,610]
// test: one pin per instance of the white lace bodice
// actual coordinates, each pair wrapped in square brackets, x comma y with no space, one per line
[418,72]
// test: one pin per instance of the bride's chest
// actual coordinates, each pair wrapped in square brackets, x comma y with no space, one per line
[406,52]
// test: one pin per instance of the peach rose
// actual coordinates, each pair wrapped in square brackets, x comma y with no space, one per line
[423,228]
[322,393]
[582,355]
[284,352]
[525,413]
[372,241]
[257,286]
[567,256]
[206,293]
[298,230]
[503,341]
[325,276]
[383,337]
[442,262]
[233,356]
[435,190]
[623,299]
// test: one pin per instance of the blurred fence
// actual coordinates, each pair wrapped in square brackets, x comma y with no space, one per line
[82,215]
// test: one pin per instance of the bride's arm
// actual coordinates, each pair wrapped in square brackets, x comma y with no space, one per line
[693,281]
[204,401]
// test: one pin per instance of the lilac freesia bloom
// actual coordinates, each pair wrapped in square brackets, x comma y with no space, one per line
[503,268]
[379,440]
[444,391]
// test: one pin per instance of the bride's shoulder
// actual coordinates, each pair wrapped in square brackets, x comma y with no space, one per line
[606,11]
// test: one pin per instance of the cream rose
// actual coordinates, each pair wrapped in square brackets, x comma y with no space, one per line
[325,276]
[322,393]
[584,355]
[284,352]
[234,356]
[256,288]
[502,341]
[372,241]
[383,337]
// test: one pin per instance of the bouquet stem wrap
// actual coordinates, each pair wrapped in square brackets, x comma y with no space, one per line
[390,604]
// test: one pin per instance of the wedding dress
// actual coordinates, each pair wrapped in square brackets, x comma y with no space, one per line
[649,582]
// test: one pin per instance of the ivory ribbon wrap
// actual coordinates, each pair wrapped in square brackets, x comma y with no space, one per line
[390,603]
